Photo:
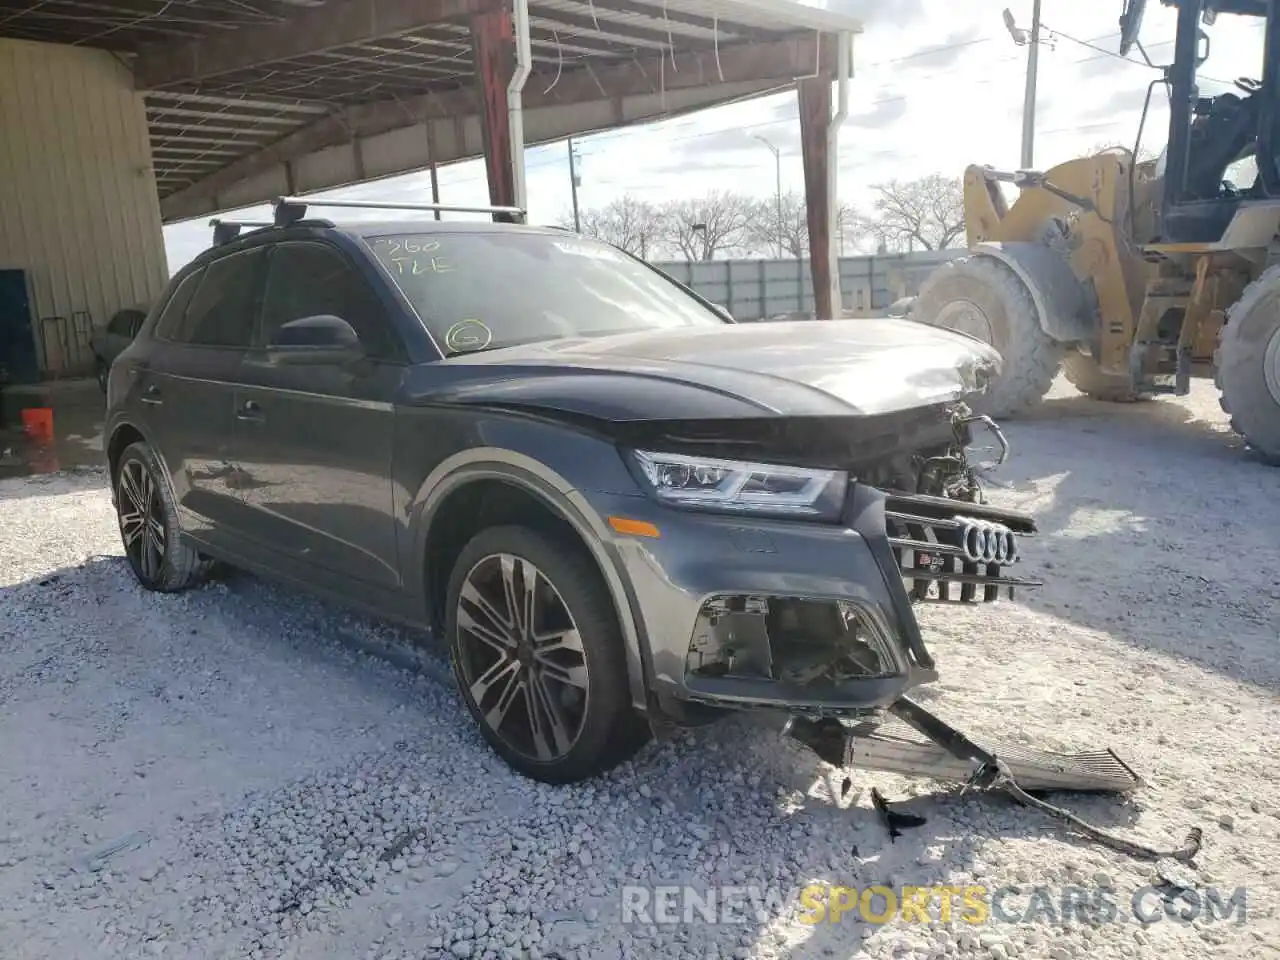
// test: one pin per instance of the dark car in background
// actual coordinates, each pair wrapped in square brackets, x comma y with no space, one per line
[621,510]
[110,341]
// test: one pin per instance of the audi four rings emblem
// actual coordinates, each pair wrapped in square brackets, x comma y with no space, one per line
[987,542]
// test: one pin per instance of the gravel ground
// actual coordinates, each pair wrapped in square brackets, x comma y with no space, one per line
[225,773]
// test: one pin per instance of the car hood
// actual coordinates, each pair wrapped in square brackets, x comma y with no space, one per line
[861,367]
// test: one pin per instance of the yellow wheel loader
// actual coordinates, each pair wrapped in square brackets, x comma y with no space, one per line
[1131,278]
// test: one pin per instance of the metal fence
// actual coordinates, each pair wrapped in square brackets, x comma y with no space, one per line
[760,289]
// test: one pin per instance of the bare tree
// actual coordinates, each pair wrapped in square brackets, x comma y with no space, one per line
[780,227]
[715,223]
[928,212]
[634,225]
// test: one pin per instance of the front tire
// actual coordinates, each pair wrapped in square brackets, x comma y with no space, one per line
[1248,365]
[538,655]
[149,529]
[983,298]
[1083,373]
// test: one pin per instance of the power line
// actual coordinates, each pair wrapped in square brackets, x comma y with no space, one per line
[1137,63]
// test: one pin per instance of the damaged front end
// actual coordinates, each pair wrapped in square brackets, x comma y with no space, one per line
[917,505]
[842,668]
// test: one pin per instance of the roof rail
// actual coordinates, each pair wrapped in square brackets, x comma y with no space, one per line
[224,231]
[292,209]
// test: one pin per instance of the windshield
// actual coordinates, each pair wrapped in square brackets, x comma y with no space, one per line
[491,289]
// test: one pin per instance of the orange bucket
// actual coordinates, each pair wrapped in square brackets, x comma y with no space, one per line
[38,423]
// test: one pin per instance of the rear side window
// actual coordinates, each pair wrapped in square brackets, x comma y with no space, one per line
[171,317]
[222,312]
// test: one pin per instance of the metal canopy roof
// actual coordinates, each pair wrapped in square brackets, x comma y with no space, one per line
[234,87]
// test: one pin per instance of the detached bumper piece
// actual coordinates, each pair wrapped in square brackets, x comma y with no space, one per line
[915,742]
[950,551]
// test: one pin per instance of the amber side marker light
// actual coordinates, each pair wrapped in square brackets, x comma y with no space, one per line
[634,528]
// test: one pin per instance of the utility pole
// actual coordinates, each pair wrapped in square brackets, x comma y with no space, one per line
[1029,102]
[777,166]
[574,183]
[1030,40]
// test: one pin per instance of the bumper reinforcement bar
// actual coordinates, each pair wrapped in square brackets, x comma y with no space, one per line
[916,742]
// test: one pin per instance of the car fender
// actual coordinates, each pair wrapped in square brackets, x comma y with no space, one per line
[564,499]
[1058,294]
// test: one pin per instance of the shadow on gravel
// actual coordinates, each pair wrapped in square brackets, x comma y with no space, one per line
[1157,528]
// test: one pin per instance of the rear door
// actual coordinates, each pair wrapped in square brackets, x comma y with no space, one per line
[189,385]
[315,442]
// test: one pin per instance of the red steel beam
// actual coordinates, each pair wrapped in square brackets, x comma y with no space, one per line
[493,53]
[815,115]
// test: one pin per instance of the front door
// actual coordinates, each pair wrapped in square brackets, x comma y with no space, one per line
[186,390]
[313,444]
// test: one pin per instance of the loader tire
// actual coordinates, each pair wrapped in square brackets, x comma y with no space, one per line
[1083,373]
[982,297]
[1248,365]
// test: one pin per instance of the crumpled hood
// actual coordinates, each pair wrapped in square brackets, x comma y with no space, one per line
[862,367]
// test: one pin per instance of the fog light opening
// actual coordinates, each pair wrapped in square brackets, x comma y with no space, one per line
[793,640]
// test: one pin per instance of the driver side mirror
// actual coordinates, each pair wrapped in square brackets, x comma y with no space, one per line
[323,340]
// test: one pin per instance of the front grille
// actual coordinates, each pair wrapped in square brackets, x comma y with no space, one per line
[950,551]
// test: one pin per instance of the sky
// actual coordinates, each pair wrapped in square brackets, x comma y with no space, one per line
[937,85]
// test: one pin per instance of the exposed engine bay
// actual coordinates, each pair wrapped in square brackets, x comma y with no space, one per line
[950,546]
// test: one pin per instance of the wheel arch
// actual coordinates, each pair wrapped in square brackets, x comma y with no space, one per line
[474,472]
[122,436]
[1056,291]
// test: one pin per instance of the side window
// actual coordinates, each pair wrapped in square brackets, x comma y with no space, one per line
[310,279]
[171,317]
[222,312]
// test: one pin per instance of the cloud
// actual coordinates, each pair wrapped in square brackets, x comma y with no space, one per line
[944,54]
[883,113]
[1125,102]
[894,12]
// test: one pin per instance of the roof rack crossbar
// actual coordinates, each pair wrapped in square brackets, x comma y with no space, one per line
[287,202]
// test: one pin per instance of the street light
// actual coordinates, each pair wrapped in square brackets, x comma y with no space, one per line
[777,164]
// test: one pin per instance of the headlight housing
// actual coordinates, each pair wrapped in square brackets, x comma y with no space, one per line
[739,486]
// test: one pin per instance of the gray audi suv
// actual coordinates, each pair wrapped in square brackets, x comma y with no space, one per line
[622,512]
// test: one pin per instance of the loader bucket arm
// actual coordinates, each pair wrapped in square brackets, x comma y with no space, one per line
[984,205]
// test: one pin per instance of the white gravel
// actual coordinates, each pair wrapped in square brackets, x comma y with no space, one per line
[221,773]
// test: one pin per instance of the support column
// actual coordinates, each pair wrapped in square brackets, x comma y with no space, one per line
[815,115]
[493,53]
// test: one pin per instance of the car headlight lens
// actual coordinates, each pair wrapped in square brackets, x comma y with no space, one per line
[742,486]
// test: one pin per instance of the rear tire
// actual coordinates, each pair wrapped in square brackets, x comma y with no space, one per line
[562,679]
[982,297]
[1083,373]
[147,512]
[1248,365]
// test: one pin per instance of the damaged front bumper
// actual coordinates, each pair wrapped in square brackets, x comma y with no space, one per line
[810,618]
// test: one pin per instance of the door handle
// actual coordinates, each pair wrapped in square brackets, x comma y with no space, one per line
[250,412]
[151,395]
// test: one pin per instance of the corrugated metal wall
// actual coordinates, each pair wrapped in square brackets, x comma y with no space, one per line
[78,204]
[760,289]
